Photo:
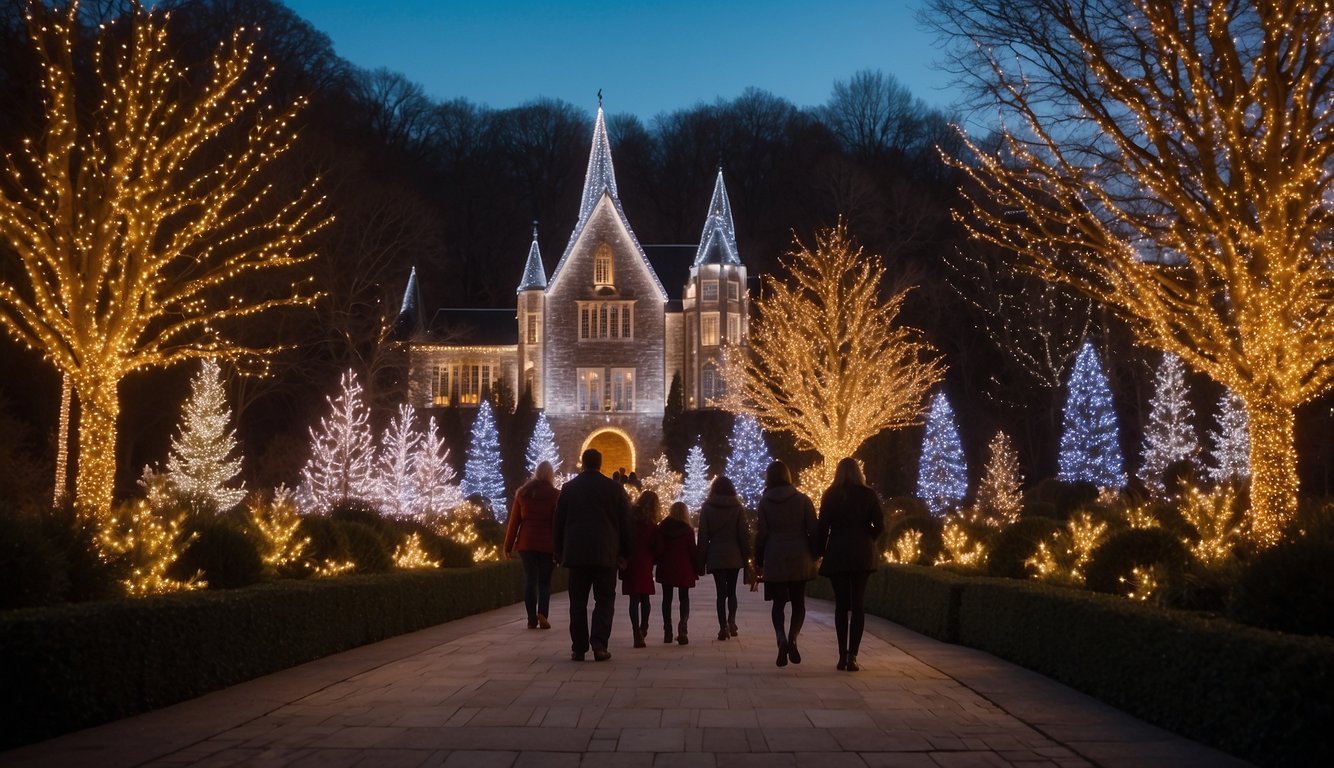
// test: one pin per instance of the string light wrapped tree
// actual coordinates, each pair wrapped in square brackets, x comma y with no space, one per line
[695,487]
[203,462]
[1187,189]
[135,225]
[481,470]
[434,487]
[542,447]
[1090,440]
[827,360]
[1170,436]
[999,500]
[942,474]
[341,453]
[396,467]
[1231,441]
[749,459]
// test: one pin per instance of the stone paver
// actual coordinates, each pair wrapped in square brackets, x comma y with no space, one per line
[486,691]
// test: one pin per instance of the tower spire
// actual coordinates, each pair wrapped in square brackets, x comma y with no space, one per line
[717,243]
[534,274]
[601,176]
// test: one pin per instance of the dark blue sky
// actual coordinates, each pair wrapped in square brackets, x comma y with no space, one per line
[647,57]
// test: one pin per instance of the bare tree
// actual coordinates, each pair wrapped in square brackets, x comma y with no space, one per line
[874,115]
[1174,160]
[132,235]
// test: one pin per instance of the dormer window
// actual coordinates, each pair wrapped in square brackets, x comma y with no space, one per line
[602,272]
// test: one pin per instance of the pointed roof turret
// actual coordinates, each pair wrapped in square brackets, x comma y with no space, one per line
[717,243]
[600,179]
[534,275]
[409,321]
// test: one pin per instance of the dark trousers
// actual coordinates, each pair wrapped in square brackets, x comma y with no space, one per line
[602,583]
[849,610]
[639,611]
[684,592]
[724,580]
[536,583]
[791,592]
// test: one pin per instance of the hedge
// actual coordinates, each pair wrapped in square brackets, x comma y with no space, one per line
[68,667]
[1265,696]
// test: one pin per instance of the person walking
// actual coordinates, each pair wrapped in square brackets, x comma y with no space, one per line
[784,539]
[850,522]
[637,577]
[591,538]
[677,568]
[724,545]
[529,533]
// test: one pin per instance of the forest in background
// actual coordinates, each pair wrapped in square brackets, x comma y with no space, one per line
[453,187]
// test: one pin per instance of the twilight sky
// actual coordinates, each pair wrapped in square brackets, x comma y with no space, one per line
[648,56]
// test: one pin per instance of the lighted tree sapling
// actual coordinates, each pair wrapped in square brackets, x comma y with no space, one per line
[134,226]
[942,474]
[695,487]
[1170,436]
[203,461]
[341,453]
[1173,161]
[828,361]
[481,470]
[749,459]
[1090,440]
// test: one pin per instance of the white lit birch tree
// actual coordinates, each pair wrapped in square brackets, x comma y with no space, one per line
[1174,160]
[138,213]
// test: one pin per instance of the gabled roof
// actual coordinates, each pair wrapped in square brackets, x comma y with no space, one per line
[717,243]
[600,181]
[534,274]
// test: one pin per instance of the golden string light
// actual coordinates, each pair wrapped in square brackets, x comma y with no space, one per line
[410,555]
[279,524]
[827,361]
[151,546]
[1190,190]
[132,221]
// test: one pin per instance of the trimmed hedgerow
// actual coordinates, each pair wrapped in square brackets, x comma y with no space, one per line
[1016,544]
[1111,565]
[923,599]
[73,666]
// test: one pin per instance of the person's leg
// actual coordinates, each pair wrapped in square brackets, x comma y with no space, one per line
[682,629]
[604,606]
[529,560]
[581,581]
[778,615]
[667,613]
[731,600]
[544,566]
[840,585]
[796,592]
[857,609]
[685,603]
[720,588]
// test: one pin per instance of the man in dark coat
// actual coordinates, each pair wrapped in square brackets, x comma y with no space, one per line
[591,529]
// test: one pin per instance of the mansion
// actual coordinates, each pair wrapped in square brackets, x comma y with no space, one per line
[599,341]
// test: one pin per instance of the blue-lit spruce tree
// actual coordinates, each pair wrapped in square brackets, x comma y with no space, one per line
[481,471]
[1170,436]
[942,475]
[1090,441]
[749,459]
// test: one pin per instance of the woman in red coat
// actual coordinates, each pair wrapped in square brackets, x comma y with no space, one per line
[637,578]
[529,533]
[677,568]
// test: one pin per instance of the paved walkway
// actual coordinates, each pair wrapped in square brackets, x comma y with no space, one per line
[486,691]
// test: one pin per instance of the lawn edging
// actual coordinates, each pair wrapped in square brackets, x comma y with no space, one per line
[68,667]
[1261,695]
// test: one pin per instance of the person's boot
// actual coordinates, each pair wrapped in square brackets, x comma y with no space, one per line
[639,638]
[852,662]
[667,632]
[731,627]
[782,650]
[842,660]
[722,632]
[681,636]
[793,654]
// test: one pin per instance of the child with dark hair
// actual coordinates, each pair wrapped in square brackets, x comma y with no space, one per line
[637,578]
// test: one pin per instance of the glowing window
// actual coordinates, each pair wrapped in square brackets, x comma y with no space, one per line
[602,272]
[708,329]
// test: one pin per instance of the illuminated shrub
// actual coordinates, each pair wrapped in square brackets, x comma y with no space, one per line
[1129,560]
[1017,544]
[328,542]
[929,543]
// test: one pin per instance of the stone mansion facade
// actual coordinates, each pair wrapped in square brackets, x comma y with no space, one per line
[599,341]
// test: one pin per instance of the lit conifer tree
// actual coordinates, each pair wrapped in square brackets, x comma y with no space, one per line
[942,475]
[133,230]
[1231,442]
[341,453]
[998,497]
[1173,161]
[434,490]
[481,470]
[1090,441]
[396,471]
[695,487]
[202,461]
[750,458]
[542,446]
[1170,435]
[828,361]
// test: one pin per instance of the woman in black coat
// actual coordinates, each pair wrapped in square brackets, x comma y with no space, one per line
[850,522]
[724,545]
[786,531]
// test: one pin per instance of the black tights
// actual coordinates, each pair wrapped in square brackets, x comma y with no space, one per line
[684,593]
[849,598]
[639,611]
[796,594]
[724,579]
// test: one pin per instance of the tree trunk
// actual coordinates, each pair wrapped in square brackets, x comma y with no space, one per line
[95,481]
[1274,480]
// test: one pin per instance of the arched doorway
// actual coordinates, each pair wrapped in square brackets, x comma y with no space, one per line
[616,448]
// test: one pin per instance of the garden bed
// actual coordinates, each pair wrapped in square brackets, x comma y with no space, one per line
[1262,695]
[68,667]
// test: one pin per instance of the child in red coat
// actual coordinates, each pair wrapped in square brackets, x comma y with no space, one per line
[637,578]
[678,565]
